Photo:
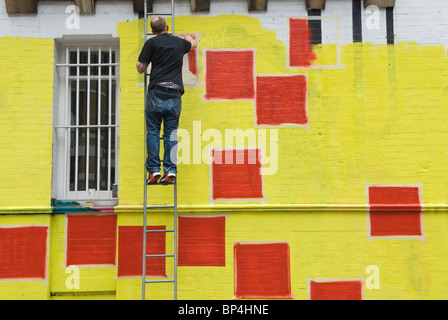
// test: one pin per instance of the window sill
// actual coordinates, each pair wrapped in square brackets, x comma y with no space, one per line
[90,205]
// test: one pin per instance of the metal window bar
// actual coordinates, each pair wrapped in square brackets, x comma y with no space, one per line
[109,141]
[89,126]
[87,173]
[72,122]
[98,139]
[106,64]
[66,177]
[145,192]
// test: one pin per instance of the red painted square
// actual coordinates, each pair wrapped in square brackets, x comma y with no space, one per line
[130,251]
[23,252]
[192,59]
[394,211]
[281,100]
[300,48]
[91,239]
[262,271]
[202,241]
[336,290]
[236,174]
[229,74]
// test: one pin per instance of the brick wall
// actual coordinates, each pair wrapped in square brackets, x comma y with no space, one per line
[27,98]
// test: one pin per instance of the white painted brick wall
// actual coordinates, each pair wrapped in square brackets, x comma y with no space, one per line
[50,22]
[421,21]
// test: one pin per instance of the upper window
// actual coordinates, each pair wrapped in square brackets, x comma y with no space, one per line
[85,161]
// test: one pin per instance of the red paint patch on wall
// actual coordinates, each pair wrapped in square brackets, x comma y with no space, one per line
[281,100]
[300,48]
[23,252]
[395,211]
[130,251]
[236,174]
[229,74]
[262,271]
[192,59]
[91,239]
[202,241]
[336,290]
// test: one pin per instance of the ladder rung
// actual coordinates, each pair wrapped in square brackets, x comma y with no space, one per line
[151,231]
[158,14]
[160,207]
[158,281]
[159,255]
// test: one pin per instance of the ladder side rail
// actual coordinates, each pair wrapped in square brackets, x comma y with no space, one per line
[145,191]
[172,17]
[175,237]
[175,184]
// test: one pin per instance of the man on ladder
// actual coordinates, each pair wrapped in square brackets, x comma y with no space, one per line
[163,103]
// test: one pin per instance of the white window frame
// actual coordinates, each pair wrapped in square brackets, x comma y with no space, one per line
[62,127]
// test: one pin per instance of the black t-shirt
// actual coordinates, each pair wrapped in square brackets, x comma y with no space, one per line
[166,53]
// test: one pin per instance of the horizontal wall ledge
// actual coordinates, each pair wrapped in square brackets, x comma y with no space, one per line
[26,210]
[228,207]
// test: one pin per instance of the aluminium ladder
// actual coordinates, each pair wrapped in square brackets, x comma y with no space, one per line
[147,16]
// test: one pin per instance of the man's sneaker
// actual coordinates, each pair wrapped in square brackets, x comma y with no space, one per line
[168,178]
[154,177]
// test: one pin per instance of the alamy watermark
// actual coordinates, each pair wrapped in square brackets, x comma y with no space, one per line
[373,18]
[373,280]
[196,147]
[73,279]
[73,21]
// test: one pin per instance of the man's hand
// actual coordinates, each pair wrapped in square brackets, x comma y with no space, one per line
[141,67]
[193,41]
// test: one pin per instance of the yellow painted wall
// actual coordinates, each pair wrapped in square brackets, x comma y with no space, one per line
[25,289]
[26,118]
[91,278]
[323,245]
[378,120]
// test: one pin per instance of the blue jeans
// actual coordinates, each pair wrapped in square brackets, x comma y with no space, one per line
[166,107]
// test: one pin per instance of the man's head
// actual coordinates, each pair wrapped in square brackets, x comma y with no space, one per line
[158,25]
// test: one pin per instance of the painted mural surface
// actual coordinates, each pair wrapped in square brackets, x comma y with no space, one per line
[265,126]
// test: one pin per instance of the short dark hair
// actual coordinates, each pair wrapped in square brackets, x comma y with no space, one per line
[158,25]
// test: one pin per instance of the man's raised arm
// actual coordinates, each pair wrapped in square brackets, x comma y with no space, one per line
[141,67]
[193,41]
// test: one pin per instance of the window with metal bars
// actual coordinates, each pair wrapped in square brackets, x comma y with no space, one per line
[86,125]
